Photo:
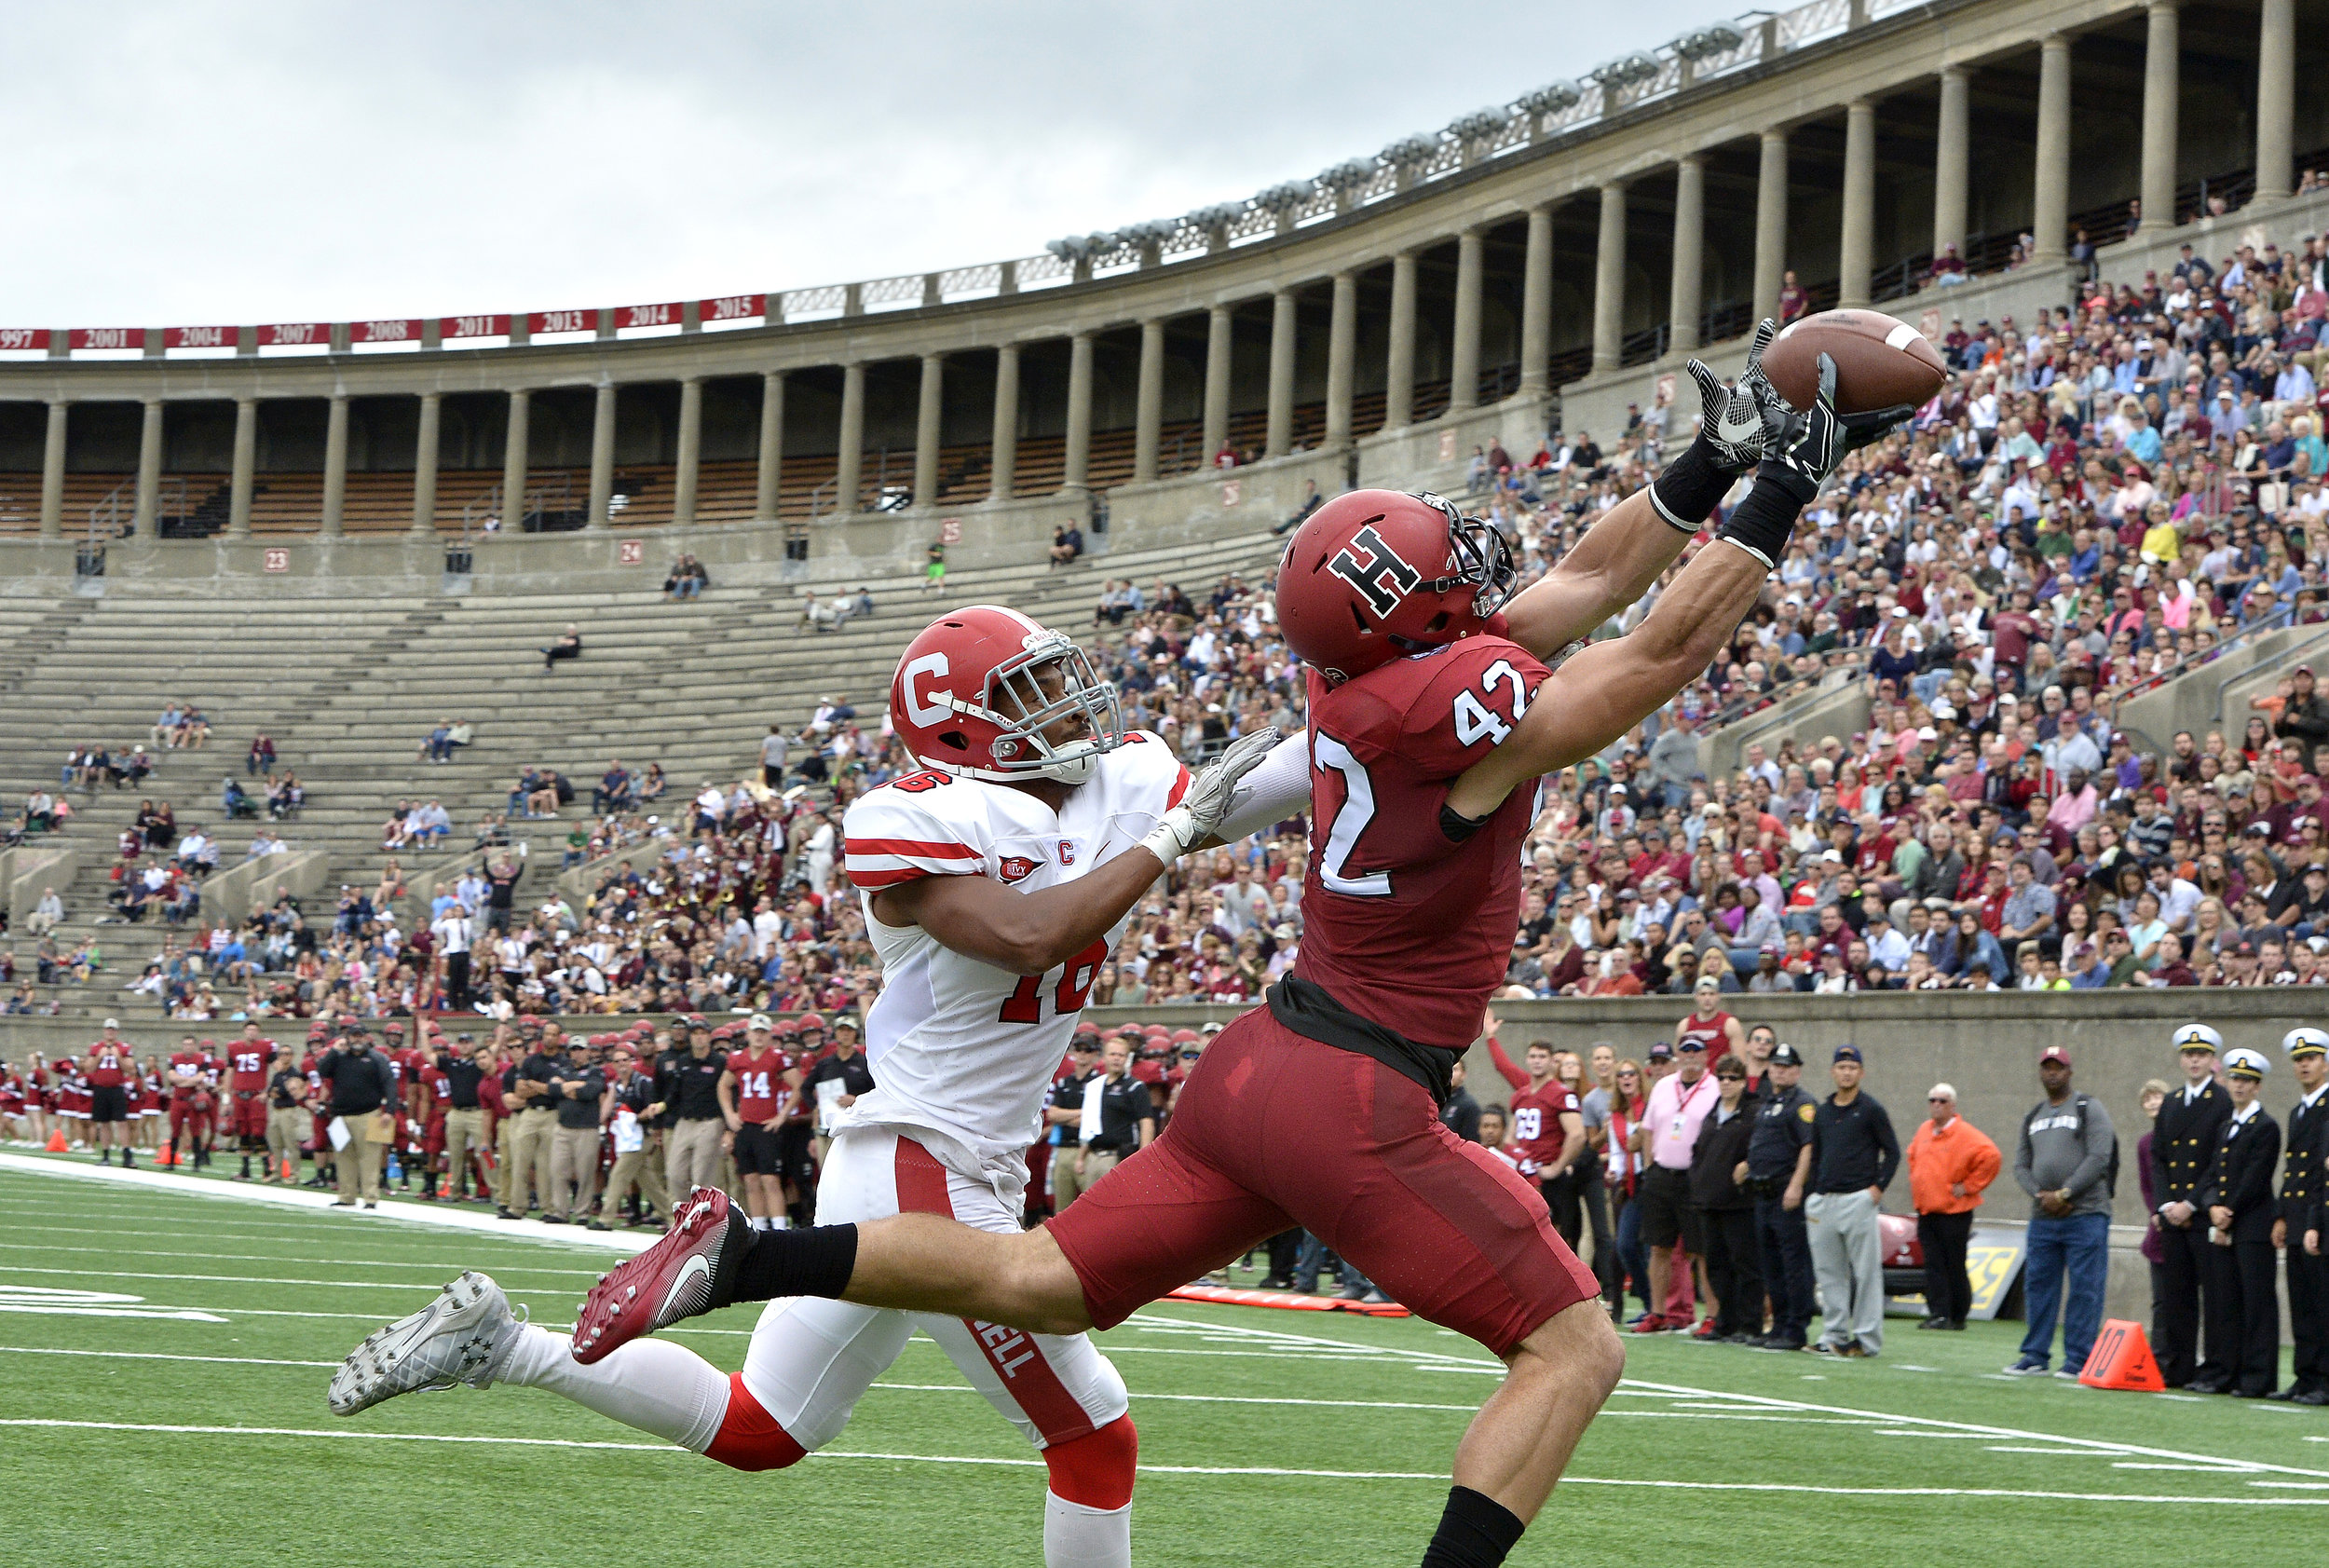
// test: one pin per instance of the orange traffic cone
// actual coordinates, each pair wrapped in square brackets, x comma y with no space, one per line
[2121,1358]
[287,1170]
[166,1156]
[56,1141]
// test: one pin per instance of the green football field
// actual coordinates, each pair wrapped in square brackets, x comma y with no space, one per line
[163,1359]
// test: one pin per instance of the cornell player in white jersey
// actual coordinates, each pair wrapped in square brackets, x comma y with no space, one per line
[995,884]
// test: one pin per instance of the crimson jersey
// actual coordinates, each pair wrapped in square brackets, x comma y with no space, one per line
[247,1063]
[111,1064]
[1400,925]
[761,1093]
[1714,1033]
[190,1072]
[1536,1113]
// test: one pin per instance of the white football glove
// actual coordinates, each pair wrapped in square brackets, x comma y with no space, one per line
[1207,801]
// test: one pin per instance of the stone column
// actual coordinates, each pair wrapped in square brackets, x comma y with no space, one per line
[52,472]
[1771,226]
[1218,345]
[688,477]
[1464,345]
[602,458]
[1609,279]
[142,518]
[1686,293]
[1148,414]
[765,493]
[2276,102]
[927,426]
[1537,304]
[1952,161]
[515,463]
[1342,352]
[1280,428]
[852,443]
[246,463]
[2050,215]
[335,468]
[2161,82]
[1004,457]
[1076,471]
[1856,248]
[1398,402]
[425,464]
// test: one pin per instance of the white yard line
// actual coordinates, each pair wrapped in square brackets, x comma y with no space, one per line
[433,1215]
[1436,1477]
[276,1258]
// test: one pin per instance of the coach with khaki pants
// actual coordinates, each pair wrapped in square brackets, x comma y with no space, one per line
[1118,1118]
[464,1112]
[642,1168]
[574,1146]
[530,1134]
[686,1088]
[360,1081]
[287,1121]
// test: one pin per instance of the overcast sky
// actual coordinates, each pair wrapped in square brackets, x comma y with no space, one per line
[228,161]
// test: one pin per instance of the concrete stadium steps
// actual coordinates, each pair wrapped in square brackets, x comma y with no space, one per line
[347,691]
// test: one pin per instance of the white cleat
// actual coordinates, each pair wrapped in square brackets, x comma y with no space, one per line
[460,1337]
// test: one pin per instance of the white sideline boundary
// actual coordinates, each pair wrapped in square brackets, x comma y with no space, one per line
[427,1216]
[1436,1476]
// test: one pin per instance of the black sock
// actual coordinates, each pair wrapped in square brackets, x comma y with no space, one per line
[1764,518]
[1476,1532]
[817,1260]
[1690,488]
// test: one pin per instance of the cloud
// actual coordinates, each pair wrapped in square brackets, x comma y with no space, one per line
[238,161]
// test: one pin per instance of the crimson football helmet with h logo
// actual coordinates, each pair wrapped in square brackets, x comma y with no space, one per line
[1376,575]
[973,694]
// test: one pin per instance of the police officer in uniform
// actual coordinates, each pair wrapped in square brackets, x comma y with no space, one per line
[2184,1141]
[1778,1164]
[2244,1308]
[2296,1229]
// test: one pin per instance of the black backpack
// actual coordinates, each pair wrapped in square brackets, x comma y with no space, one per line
[2079,1103]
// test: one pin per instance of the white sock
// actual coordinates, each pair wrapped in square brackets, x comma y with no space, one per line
[1075,1536]
[759,1221]
[652,1384]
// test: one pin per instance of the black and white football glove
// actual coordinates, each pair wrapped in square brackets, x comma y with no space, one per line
[1738,423]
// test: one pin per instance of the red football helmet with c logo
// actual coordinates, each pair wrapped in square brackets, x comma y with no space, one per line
[973,696]
[1375,574]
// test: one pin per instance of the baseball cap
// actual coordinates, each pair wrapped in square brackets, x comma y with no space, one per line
[1708,983]
[1847,1053]
[1693,1046]
[113,1023]
[1661,1052]
[1212,1026]
[2054,1053]
[1786,1056]
[760,1021]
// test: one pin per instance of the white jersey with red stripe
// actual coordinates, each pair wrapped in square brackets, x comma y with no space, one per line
[962,1052]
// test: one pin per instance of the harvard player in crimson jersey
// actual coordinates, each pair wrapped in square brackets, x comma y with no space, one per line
[110,1065]
[242,1099]
[757,1093]
[1321,1108]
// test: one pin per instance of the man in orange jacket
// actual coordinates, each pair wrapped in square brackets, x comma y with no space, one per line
[1950,1162]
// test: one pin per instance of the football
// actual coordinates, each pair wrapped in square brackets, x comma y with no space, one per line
[1880,361]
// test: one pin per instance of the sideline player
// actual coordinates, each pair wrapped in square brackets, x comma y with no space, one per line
[995,885]
[1321,1108]
[757,1093]
[111,1065]
[243,1102]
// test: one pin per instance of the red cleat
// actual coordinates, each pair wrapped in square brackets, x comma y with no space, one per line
[1653,1324]
[689,1271]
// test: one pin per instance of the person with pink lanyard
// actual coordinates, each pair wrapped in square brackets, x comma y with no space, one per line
[1669,1130]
